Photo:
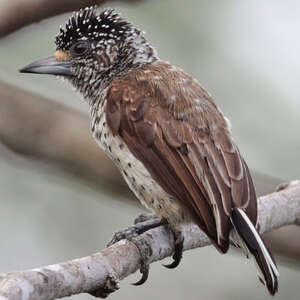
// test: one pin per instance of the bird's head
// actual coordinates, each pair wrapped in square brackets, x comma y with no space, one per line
[94,48]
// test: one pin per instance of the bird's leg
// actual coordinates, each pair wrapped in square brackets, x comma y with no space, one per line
[142,224]
[178,248]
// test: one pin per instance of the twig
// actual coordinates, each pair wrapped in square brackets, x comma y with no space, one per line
[99,274]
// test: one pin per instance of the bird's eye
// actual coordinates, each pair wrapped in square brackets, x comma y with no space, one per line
[80,48]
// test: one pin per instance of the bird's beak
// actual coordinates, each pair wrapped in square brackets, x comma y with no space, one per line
[49,65]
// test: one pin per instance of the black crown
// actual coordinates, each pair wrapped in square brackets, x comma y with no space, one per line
[86,23]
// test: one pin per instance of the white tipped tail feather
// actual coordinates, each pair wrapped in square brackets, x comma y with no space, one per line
[266,267]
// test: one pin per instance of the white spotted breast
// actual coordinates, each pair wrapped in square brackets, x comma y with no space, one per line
[146,189]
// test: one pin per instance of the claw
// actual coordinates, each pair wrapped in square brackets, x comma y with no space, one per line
[178,250]
[173,264]
[145,273]
[127,233]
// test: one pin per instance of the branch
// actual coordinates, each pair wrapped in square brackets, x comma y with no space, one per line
[100,273]
[15,14]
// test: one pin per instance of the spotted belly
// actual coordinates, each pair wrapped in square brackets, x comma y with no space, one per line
[139,180]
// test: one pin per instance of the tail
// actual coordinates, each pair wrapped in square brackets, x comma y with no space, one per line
[266,266]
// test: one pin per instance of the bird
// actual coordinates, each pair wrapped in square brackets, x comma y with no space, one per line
[164,131]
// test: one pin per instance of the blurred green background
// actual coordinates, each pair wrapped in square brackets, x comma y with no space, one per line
[246,54]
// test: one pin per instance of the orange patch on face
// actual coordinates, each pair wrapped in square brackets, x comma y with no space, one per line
[61,55]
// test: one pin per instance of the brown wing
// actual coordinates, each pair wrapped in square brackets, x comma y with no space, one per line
[185,145]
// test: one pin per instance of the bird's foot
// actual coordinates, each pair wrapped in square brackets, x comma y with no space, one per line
[178,249]
[142,224]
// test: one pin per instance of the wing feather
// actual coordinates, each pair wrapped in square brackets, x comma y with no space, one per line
[190,153]
[177,166]
[212,193]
